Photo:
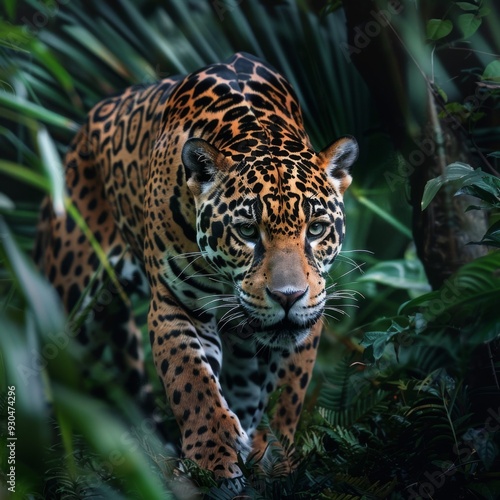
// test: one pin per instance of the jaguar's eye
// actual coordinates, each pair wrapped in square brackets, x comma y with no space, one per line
[248,231]
[316,230]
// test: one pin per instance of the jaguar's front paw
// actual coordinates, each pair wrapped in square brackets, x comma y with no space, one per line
[218,445]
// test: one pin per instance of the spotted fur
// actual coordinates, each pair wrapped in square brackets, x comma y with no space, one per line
[205,193]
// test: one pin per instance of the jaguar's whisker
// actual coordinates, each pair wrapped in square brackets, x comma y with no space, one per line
[229,319]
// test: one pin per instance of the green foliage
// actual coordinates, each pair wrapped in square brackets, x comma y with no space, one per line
[467,181]
[44,365]
[431,341]
[468,18]
[438,28]
[492,72]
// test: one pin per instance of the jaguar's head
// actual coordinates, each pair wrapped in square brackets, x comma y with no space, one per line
[272,224]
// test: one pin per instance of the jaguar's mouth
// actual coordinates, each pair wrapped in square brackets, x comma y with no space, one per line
[284,334]
[286,325]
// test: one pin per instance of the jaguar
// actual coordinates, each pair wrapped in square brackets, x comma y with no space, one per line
[204,194]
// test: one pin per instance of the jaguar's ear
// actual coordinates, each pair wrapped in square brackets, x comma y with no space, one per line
[337,159]
[202,161]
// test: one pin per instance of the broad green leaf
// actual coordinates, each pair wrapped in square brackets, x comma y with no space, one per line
[379,348]
[408,275]
[484,186]
[468,24]
[492,236]
[376,341]
[370,337]
[489,192]
[483,444]
[438,28]
[468,181]
[453,172]
[472,291]
[492,73]
[467,6]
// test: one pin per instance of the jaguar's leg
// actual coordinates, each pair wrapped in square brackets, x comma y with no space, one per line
[241,381]
[291,371]
[212,434]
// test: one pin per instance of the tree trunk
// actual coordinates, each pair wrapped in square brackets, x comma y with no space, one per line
[388,50]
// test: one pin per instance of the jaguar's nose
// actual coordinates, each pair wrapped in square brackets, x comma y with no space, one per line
[286,298]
